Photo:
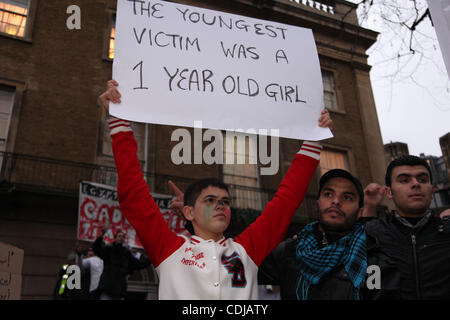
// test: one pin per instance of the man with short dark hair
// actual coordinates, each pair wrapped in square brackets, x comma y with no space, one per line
[416,242]
[327,259]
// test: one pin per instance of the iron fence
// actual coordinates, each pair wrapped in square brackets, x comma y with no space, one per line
[51,175]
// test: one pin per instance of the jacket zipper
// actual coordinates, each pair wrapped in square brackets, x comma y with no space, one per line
[416,266]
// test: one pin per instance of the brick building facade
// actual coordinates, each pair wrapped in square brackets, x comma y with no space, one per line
[53,133]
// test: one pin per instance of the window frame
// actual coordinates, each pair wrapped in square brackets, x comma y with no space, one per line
[230,176]
[29,26]
[19,88]
[347,150]
[111,13]
[12,92]
[337,93]
[105,151]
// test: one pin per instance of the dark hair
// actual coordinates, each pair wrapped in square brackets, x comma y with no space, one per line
[119,231]
[406,160]
[194,189]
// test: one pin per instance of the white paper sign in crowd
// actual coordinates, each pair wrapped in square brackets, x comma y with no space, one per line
[179,64]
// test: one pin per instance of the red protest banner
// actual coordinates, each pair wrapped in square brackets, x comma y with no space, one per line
[99,209]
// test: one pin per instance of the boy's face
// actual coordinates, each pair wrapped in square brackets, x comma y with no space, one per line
[211,214]
[338,205]
[411,190]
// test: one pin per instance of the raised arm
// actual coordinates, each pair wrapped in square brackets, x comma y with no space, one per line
[373,196]
[99,247]
[135,199]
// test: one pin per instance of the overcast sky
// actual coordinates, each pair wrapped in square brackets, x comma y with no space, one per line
[413,103]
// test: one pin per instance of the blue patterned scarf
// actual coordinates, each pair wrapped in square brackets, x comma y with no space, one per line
[314,262]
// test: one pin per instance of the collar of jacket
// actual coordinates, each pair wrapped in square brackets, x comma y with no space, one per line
[418,225]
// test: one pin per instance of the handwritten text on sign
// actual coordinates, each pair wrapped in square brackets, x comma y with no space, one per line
[178,64]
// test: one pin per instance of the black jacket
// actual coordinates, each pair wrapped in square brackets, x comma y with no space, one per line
[280,268]
[420,256]
[118,262]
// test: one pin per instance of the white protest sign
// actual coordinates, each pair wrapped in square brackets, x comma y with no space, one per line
[178,64]
[440,12]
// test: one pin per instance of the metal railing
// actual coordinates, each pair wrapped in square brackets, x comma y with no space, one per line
[48,174]
[51,175]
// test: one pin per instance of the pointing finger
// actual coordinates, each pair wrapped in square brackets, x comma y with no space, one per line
[175,189]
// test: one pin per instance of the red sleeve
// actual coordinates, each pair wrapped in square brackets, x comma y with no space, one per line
[262,236]
[135,199]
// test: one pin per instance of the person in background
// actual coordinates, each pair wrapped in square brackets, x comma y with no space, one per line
[94,265]
[118,262]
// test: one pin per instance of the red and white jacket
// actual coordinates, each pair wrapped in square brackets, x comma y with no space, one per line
[196,268]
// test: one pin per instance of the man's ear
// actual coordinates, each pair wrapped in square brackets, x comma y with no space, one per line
[188,213]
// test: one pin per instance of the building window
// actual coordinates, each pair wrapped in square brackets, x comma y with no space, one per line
[139,133]
[6,103]
[112,37]
[106,153]
[240,170]
[333,159]
[329,92]
[14,17]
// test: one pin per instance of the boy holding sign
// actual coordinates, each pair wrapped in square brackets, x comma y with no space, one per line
[206,265]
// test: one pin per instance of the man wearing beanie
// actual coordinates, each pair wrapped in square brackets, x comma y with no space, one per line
[327,260]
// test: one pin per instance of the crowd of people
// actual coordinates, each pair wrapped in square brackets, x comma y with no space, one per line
[105,269]
[349,253]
